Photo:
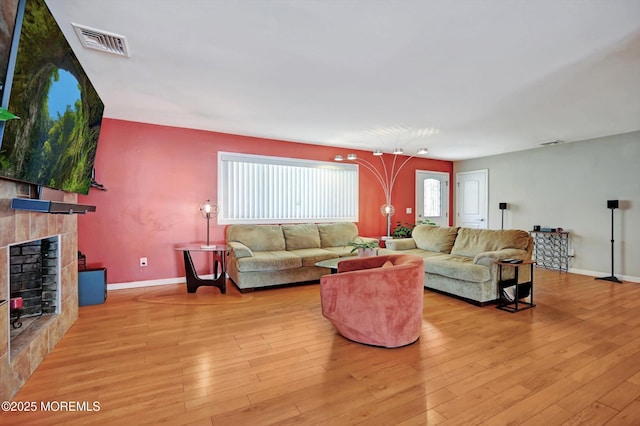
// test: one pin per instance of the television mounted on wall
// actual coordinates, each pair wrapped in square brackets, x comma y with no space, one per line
[53,144]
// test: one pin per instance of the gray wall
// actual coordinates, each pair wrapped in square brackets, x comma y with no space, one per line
[568,186]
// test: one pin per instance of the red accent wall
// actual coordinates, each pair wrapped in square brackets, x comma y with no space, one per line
[156,176]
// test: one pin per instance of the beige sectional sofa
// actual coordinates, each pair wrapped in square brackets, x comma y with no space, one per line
[267,255]
[460,261]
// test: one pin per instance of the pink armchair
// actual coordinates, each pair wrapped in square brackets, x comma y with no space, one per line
[376,300]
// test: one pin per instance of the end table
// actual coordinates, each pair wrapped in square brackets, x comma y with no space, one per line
[521,290]
[220,253]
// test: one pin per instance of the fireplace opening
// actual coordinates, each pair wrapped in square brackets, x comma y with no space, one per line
[33,284]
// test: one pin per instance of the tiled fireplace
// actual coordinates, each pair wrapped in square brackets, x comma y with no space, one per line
[22,234]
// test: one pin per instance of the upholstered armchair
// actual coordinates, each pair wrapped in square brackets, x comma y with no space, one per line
[376,300]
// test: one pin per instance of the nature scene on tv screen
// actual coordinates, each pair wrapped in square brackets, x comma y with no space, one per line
[55,140]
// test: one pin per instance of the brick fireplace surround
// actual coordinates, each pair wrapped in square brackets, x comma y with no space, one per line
[17,227]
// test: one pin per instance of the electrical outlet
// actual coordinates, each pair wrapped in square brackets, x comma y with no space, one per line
[409,210]
[571,252]
[143,261]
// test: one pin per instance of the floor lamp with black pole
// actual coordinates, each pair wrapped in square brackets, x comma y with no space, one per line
[611,204]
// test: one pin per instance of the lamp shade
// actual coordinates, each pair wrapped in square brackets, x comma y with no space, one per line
[208,209]
[387,209]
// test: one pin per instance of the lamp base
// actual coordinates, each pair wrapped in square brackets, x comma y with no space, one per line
[207,246]
[611,278]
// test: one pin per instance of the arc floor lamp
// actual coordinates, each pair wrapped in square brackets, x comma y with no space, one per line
[386,176]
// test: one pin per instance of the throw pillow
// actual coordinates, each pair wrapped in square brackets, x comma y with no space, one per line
[435,238]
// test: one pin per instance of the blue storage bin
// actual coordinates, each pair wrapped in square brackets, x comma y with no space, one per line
[92,286]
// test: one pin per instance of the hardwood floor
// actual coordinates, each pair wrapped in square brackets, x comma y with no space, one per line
[160,355]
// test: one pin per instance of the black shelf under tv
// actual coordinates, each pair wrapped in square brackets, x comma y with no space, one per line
[47,206]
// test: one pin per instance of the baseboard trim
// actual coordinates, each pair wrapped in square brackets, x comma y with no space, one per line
[604,274]
[181,280]
[151,283]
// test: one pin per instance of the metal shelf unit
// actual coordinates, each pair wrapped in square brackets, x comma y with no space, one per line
[551,250]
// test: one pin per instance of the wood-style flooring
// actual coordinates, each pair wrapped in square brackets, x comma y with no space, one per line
[158,355]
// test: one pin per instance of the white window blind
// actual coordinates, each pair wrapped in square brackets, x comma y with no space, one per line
[262,189]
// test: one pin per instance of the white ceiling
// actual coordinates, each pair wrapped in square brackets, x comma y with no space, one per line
[492,76]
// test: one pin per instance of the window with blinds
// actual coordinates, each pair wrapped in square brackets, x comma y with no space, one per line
[262,189]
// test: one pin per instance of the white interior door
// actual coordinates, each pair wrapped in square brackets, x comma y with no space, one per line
[471,199]
[432,197]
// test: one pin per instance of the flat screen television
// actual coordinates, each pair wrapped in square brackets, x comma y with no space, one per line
[54,142]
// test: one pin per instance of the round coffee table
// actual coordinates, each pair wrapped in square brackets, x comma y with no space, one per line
[330,264]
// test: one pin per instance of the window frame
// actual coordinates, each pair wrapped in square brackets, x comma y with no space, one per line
[352,178]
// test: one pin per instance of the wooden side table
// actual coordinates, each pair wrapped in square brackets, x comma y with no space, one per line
[219,280]
[521,290]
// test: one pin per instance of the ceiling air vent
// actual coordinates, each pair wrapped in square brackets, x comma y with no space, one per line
[102,40]
[555,142]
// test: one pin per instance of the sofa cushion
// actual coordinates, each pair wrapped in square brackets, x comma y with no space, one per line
[414,251]
[269,261]
[301,236]
[435,238]
[311,256]
[400,244]
[257,237]
[457,267]
[471,242]
[342,251]
[337,234]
